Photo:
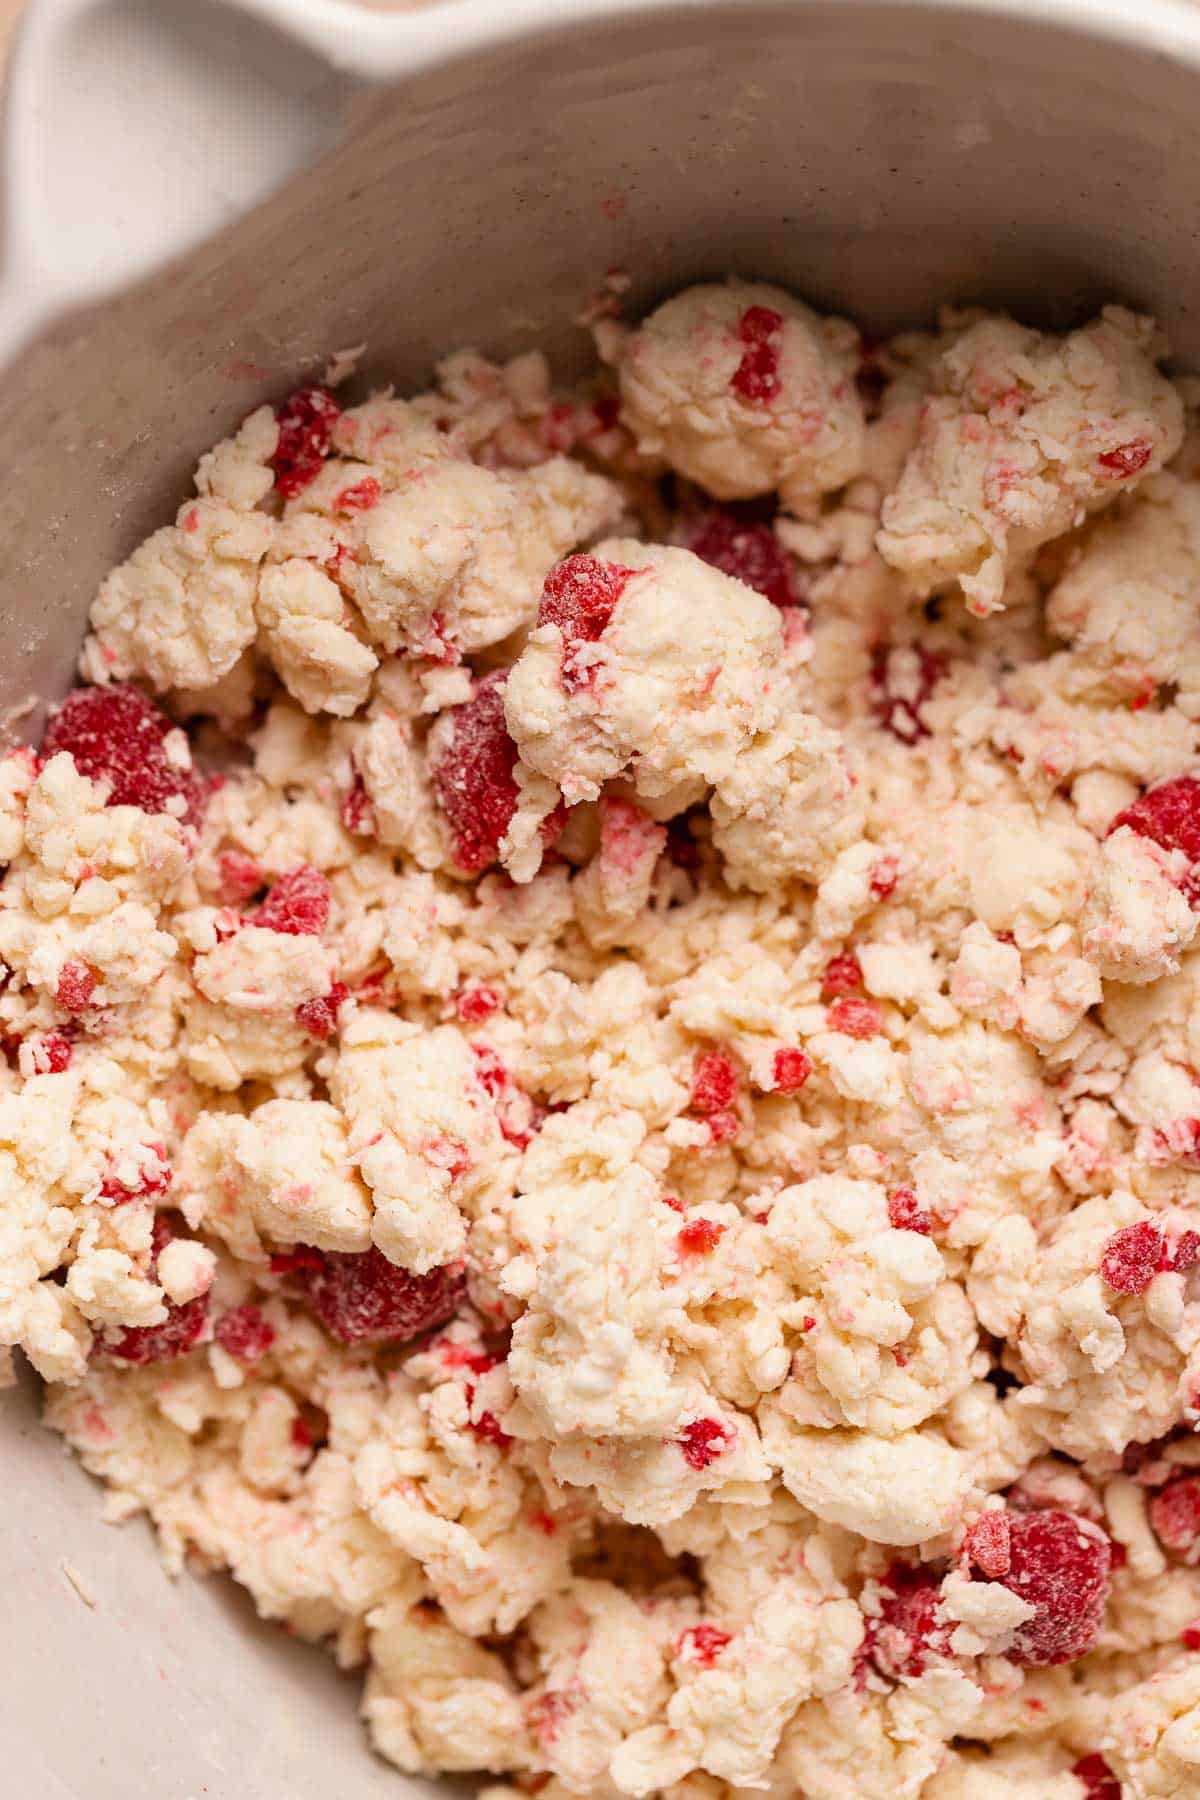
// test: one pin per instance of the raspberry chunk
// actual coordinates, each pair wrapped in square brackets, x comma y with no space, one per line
[117,736]
[723,1127]
[756,378]
[714,1082]
[901,1640]
[1175,1513]
[1187,1252]
[1060,1565]
[51,1052]
[365,1299]
[703,1441]
[183,1328]
[1169,815]
[1132,1257]
[238,877]
[360,497]
[988,1544]
[1099,1782]
[1127,459]
[905,1213]
[898,693]
[77,982]
[580,596]
[319,1017]
[297,904]
[153,1179]
[306,422]
[699,1236]
[474,1005]
[843,975]
[702,1644]
[790,1070]
[855,1018]
[474,782]
[356,812]
[748,550]
[488,1427]
[245,1334]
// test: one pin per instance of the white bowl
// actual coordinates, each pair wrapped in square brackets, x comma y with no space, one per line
[463,174]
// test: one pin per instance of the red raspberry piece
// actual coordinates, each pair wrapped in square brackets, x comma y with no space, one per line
[319,1017]
[300,1261]
[245,1334]
[1099,1782]
[905,1214]
[843,975]
[77,982]
[306,422]
[702,1644]
[699,1236]
[298,904]
[884,878]
[360,497]
[238,877]
[703,1441]
[488,1427]
[1132,1257]
[183,1328]
[674,1202]
[1189,1637]
[474,781]
[1169,815]
[723,1127]
[1175,1512]
[474,1005]
[1177,1142]
[756,378]
[748,550]
[906,1632]
[356,812]
[154,1180]
[116,735]
[365,1299]
[790,1070]
[714,1082]
[51,1053]
[1127,459]
[855,1018]
[1187,1252]
[301,1433]
[988,1544]
[462,1356]
[580,596]
[1060,1565]
[901,714]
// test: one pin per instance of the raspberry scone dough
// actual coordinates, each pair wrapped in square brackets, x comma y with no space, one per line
[614,1128]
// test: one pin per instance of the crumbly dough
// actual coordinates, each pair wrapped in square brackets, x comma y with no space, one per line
[613,1127]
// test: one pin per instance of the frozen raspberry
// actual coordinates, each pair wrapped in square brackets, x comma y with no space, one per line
[183,1328]
[1189,1637]
[1132,1257]
[153,1179]
[474,781]
[843,975]
[360,497]
[703,1441]
[1175,1512]
[897,700]
[674,1202]
[790,1070]
[580,596]
[117,736]
[855,1018]
[245,1334]
[756,378]
[356,812]
[1127,459]
[488,1427]
[474,1005]
[297,904]
[365,1299]
[1186,1253]
[1099,1782]
[714,1082]
[319,1017]
[51,1052]
[303,1260]
[238,877]
[702,1644]
[748,550]
[1060,1565]
[306,422]
[1169,815]
[906,1632]
[77,982]
[699,1236]
[905,1214]
[988,1544]
[723,1127]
